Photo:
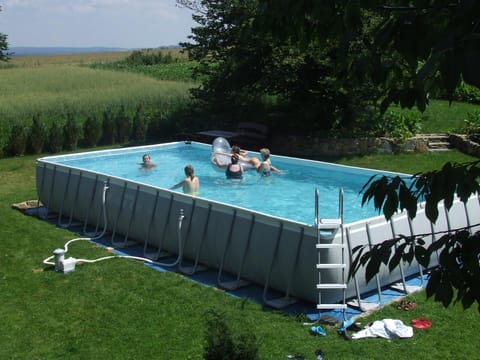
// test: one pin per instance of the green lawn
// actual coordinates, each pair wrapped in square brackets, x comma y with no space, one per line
[121,309]
[441,116]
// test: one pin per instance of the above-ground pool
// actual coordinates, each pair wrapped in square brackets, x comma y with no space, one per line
[258,229]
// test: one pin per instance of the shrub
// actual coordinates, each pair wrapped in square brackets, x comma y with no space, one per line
[18,140]
[467,93]
[55,138]
[220,344]
[161,127]
[401,125]
[471,126]
[92,131]
[108,128]
[139,127]
[37,135]
[122,125]
[72,132]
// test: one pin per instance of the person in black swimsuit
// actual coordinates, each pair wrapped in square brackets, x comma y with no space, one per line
[234,169]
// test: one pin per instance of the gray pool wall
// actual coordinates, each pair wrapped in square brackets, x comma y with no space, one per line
[272,252]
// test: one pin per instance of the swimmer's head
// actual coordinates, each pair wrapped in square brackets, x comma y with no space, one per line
[189,171]
[265,153]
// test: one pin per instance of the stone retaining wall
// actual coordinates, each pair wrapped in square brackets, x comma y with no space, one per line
[462,143]
[311,146]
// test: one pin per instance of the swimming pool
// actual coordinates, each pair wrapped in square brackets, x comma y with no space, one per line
[259,229]
[272,195]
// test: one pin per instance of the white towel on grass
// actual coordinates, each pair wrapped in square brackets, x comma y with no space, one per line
[387,329]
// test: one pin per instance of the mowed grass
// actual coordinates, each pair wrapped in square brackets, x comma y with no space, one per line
[80,90]
[441,116]
[121,309]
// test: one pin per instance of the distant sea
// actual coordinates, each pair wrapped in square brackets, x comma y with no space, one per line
[31,50]
[26,51]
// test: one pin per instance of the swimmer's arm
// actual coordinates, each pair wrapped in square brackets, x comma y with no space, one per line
[243,158]
[222,153]
[274,169]
[176,186]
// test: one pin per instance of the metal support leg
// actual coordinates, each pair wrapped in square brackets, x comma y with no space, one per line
[158,254]
[285,301]
[190,270]
[401,286]
[239,282]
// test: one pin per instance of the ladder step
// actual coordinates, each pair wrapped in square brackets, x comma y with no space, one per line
[331,266]
[331,286]
[331,306]
[327,224]
[330,246]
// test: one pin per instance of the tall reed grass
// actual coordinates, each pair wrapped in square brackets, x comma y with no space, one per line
[61,89]
[54,92]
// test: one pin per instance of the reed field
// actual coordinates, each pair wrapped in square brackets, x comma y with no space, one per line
[80,59]
[61,89]
[57,86]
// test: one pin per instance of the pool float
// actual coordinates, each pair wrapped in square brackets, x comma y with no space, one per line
[221,145]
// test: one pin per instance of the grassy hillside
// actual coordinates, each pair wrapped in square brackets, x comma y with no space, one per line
[443,116]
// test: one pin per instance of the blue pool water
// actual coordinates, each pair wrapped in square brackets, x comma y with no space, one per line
[290,195]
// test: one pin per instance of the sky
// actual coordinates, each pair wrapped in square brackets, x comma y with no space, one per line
[94,23]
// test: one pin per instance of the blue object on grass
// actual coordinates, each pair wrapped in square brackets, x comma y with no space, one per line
[318,330]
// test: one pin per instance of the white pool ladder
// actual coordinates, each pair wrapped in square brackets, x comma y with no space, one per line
[326,232]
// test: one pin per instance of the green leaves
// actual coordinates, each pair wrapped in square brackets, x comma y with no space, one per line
[455,277]
[392,194]
[458,253]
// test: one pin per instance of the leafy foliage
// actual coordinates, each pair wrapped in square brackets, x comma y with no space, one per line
[148,57]
[92,131]
[471,125]
[458,263]
[122,124]
[139,127]
[109,133]
[71,133]
[4,55]
[418,47]
[245,71]
[467,93]
[393,193]
[400,124]
[459,251]
[55,138]
[37,135]
[18,140]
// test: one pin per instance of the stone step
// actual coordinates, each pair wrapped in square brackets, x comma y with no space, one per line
[436,142]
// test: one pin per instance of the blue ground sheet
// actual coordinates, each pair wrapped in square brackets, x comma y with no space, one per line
[253,292]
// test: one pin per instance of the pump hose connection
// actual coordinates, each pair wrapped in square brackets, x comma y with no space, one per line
[66,265]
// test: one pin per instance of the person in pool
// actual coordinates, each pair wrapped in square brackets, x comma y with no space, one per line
[190,184]
[234,169]
[234,150]
[147,162]
[264,167]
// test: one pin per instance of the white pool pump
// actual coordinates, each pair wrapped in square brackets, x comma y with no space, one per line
[61,264]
